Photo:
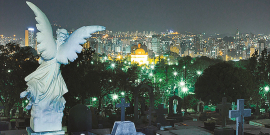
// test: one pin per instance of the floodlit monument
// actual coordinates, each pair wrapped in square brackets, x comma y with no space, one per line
[46,85]
[139,56]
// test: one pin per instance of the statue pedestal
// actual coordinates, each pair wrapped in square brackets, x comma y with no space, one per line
[45,120]
[31,132]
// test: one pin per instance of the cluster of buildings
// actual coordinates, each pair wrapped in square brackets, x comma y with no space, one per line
[233,47]
[149,44]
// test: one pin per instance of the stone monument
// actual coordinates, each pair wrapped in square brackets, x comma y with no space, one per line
[123,105]
[79,119]
[46,85]
[124,127]
[225,107]
[239,114]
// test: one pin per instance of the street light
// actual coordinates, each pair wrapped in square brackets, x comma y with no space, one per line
[115,97]
[182,83]
[266,88]
[122,93]
[174,73]
[94,99]
[185,89]
[199,73]
[113,65]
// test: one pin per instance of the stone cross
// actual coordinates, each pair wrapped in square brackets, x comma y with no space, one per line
[225,107]
[123,105]
[239,114]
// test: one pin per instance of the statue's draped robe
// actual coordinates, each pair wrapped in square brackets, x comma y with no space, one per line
[47,88]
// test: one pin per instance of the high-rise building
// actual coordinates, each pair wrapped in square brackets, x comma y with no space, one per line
[261,45]
[156,44]
[29,37]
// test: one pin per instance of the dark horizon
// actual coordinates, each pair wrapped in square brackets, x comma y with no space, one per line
[196,16]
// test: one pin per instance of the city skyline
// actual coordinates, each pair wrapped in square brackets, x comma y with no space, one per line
[195,16]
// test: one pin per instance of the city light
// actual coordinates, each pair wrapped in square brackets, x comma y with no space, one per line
[174,73]
[152,66]
[94,99]
[31,29]
[113,65]
[160,80]
[151,74]
[122,93]
[9,71]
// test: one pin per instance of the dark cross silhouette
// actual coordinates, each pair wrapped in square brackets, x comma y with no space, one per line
[239,114]
[160,114]
[123,105]
[225,107]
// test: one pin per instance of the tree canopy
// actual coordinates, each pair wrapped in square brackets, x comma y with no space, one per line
[225,80]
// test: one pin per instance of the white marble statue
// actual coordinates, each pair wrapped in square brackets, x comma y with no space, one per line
[46,85]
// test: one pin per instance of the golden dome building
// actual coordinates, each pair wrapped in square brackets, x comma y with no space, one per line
[139,56]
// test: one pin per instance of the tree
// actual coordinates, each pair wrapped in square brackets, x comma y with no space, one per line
[223,79]
[16,63]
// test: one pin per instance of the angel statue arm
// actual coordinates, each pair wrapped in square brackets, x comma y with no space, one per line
[53,54]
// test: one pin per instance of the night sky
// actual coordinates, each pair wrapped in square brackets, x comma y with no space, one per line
[197,16]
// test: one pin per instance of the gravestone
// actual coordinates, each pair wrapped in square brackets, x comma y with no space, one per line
[136,95]
[224,107]
[80,119]
[200,106]
[142,102]
[122,105]
[160,115]
[123,127]
[149,116]
[179,106]
[239,114]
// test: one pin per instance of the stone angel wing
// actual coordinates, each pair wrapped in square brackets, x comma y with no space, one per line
[47,46]
[69,50]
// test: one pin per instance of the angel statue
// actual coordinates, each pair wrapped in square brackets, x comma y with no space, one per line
[46,85]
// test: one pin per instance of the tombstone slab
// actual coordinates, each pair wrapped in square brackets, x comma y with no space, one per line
[124,128]
[160,115]
[31,132]
[80,119]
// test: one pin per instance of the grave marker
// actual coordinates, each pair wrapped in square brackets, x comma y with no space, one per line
[239,114]
[160,114]
[225,107]
[150,114]
[123,105]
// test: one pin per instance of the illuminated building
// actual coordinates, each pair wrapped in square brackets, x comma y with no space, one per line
[252,51]
[139,56]
[29,37]
[156,44]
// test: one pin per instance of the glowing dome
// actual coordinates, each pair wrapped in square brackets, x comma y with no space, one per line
[139,55]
